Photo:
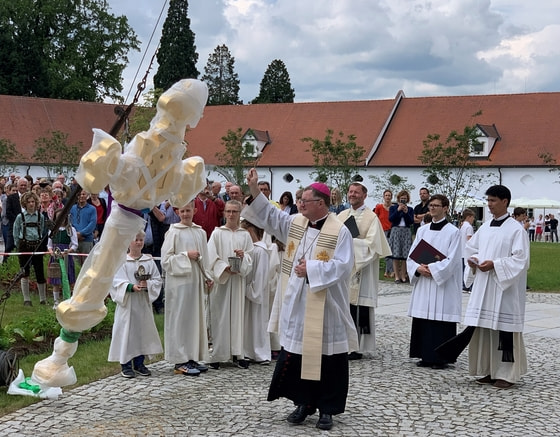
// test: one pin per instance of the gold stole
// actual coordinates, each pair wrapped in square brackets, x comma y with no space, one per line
[315,302]
[366,219]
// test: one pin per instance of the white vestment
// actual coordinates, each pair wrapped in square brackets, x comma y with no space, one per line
[227,299]
[186,336]
[257,339]
[369,247]
[288,314]
[134,329]
[438,297]
[497,300]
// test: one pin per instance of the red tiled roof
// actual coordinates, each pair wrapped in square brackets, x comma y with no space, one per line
[287,124]
[526,123]
[25,119]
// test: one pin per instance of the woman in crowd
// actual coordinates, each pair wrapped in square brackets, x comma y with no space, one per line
[401,218]
[287,203]
[337,205]
[382,211]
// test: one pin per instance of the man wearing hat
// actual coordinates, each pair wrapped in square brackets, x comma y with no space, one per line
[311,311]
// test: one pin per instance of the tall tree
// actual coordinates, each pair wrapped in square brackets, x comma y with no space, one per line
[221,78]
[55,154]
[68,49]
[275,85]
[450,168]
[177,54]
[335,160]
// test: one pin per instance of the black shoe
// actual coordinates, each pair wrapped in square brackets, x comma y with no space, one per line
[355,356]
[127,372]
[439,366]
[300,413]
[243,364]
[214,366]
[423,363]
[200,367]
[325,421]
[142,370]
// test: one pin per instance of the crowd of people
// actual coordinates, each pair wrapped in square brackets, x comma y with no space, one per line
[245,279]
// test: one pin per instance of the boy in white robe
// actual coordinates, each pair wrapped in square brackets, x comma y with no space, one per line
[227,301]
[184,254]
[257,340]
[435,303]
[498,257]
[135,286]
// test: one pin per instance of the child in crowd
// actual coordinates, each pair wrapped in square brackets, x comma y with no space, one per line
[135,286]
[184,258]
[66,240]
[257,339]
[29,229]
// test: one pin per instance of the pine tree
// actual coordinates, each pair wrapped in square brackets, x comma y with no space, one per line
[222,80]
[177,54]
[275,85]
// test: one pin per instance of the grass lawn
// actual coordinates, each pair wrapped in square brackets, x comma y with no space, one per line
[544,272]
[90,361]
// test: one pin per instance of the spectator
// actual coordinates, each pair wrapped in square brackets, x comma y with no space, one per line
[421,209]
[13,208]
[539,228]
[209,211]
[287,203]
[236,193]
[531,228]
[382,212]
[83,217]
[29,230]
[553,228]
[264,186]
[401,218]
[100,206]
[337,205]
[225,196]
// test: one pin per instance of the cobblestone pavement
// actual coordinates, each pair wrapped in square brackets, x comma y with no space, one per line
[389,396]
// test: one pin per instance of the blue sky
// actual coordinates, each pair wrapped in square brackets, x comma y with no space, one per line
[370,49]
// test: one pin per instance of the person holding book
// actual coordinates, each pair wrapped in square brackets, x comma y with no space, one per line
[434,268]
[370,244]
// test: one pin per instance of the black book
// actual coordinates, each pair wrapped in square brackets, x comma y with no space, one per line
[352,226]
[425,253]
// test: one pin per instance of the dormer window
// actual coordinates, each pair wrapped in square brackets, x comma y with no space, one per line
[488,135]
[258,139]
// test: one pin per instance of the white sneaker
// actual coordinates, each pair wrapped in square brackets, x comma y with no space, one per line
[55,304]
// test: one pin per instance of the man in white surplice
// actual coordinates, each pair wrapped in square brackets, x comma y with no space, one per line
[370,245]
[498,254]
[311,311]
[435,303]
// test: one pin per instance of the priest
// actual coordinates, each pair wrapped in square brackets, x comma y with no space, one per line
[311,311]
[370,244]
